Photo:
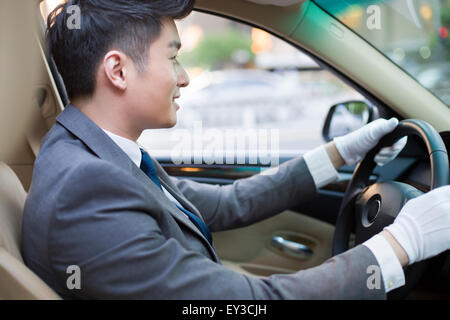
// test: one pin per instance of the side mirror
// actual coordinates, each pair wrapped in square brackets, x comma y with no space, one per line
[346,117]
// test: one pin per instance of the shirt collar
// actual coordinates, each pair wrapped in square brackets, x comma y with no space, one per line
[128,146]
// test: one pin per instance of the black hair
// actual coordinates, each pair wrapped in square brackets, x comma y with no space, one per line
[127,25]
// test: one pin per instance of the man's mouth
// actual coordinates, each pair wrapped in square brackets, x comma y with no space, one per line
[177,106]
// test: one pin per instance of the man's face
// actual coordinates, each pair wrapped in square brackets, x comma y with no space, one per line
[151,94]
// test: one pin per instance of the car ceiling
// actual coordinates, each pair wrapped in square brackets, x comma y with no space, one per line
[281,3]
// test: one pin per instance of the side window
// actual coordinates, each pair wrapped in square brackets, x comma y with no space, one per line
[250,93]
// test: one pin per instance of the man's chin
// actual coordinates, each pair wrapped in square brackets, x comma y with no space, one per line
[171,123]
[165,124]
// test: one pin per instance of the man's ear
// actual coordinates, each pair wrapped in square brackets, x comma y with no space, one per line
[114,65]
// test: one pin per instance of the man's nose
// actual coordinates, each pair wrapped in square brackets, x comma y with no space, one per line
[183,78]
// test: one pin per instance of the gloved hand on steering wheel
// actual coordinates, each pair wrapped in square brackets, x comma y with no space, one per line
[354,146]
[422,227]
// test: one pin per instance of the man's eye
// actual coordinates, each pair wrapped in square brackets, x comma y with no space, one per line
[174,59]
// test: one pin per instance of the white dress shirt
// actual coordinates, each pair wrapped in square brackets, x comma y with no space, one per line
[323,173]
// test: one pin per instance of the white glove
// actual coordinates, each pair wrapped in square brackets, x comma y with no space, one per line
[422,227]
[355,145]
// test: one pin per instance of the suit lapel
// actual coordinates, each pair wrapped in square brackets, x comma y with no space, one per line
[165,201]
[101,144]
[171,207]
[170,187]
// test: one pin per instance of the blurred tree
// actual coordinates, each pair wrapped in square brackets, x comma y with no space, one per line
[216,50]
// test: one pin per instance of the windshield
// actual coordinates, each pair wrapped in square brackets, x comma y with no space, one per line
[414,34]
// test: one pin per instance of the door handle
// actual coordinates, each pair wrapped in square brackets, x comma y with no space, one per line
[294,249]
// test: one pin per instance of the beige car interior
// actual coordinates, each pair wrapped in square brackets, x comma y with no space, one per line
[30,103]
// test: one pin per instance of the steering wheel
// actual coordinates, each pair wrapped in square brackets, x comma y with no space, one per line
[366,210]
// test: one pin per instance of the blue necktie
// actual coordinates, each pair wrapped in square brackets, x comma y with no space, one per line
[149,169]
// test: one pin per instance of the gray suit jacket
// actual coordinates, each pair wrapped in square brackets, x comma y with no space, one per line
[89,205]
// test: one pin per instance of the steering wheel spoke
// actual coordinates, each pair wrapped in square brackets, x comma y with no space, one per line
[378,206]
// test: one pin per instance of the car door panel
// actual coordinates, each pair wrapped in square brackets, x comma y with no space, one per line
[251,248]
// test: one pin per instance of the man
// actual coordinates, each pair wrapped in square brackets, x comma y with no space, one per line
[101,203]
